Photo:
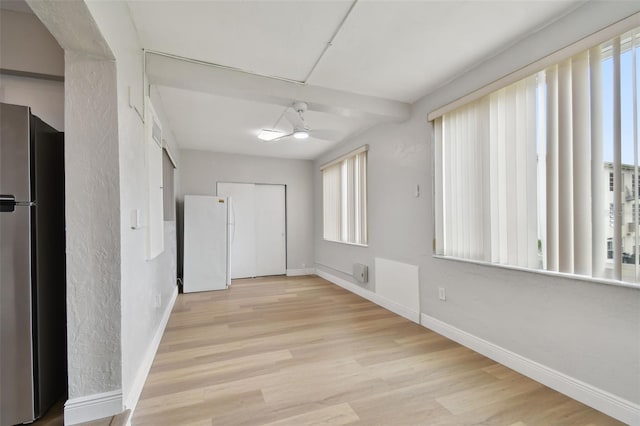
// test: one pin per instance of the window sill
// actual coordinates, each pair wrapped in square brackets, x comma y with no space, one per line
[591,280]
[346,243]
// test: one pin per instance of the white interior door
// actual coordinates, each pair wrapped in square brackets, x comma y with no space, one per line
[258,240]
[270,230]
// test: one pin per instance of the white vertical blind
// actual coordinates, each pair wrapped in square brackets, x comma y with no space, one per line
[344,185]
[531,154]
[569,189]
[617,165]
[599,210]
[565,169]
[581,163]
[463,141]
[552,169]
[522,175]
[438,183]
[514,177]
[484,185]
[489,179]
[361,198]
[331,190]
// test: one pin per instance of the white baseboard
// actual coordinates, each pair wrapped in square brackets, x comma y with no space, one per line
[621,409]
[394,307]
[143,371]
[300,272]
[92,407]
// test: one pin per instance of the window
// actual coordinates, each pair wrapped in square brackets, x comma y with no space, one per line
[155,225]
[527,175]
[344,198]
[611,215]
[168,195]
[611,181]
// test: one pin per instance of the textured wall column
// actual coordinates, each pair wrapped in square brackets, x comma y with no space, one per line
[93,225]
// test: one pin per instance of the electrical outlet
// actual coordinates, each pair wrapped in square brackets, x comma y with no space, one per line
[158,300]
[441,294]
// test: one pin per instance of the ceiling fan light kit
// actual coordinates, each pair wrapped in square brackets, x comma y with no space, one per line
[300,134]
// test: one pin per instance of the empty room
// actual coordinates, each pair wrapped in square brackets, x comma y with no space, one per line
[340,212]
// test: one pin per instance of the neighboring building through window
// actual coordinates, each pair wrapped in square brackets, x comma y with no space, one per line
[611,181]
[344,198]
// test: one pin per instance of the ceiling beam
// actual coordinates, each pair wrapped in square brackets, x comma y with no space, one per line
[171,71]
[65,20]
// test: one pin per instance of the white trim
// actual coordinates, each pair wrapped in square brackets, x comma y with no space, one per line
[585,278]
[92,407]
[586,43]
[165,147]
[143,371]
[390,305]
[345,242]
[363,148]
[614,406]
[300,272]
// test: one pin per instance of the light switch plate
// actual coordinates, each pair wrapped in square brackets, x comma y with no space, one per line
[135,219]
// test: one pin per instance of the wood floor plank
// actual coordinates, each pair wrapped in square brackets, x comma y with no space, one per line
[300,350]
[340,414]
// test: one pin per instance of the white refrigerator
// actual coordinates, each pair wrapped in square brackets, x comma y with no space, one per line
[207,243]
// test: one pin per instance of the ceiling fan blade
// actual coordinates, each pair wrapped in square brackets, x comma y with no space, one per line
[326,134]
[280,138]
[294,118]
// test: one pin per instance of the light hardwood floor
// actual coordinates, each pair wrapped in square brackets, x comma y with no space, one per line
[302,351]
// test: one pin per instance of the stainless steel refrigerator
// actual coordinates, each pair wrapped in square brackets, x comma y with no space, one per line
[32,266]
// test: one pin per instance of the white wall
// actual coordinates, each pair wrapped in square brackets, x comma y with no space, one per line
[201,170]
[27,46]
[142,280]
[588,331]
[112,289]
[93,227]
[45,97]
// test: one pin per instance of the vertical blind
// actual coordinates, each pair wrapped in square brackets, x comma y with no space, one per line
[168,196]
[488,178]
[522,174]
[344,195]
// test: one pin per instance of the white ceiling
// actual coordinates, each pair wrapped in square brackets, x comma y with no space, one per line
[225,124]
[396,50]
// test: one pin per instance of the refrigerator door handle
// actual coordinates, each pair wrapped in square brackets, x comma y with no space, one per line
[8,203]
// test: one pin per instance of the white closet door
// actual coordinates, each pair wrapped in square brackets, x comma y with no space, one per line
[270,230]
[258,230]
[243,230]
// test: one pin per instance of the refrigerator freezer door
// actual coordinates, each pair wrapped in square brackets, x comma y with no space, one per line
[205,243]
[49,286]
[16,362]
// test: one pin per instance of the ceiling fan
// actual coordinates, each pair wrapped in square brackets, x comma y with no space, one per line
[295,115]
